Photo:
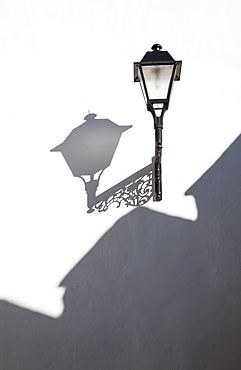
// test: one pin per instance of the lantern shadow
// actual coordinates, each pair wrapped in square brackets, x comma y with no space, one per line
[88,150]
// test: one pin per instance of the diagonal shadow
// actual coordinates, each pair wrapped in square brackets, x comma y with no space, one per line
[155,292]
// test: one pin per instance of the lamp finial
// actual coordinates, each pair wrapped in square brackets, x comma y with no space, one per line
[156,47]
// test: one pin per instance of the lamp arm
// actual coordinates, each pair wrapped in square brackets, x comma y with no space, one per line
[158,166]
[157,172]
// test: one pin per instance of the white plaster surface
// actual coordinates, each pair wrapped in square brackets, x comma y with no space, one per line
[61,59]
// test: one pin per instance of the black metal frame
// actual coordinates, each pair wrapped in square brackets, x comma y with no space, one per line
[150,59]
[157,167]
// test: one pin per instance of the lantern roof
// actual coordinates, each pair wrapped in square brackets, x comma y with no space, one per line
[157,56]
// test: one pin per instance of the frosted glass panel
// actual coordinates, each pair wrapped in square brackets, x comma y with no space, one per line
[157,80]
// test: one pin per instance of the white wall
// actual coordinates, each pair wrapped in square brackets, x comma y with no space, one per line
[61,59]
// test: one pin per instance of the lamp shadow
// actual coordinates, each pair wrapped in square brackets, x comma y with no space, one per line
[155,292]
[88,151]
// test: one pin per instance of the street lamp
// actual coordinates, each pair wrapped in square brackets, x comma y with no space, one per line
[156,72]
